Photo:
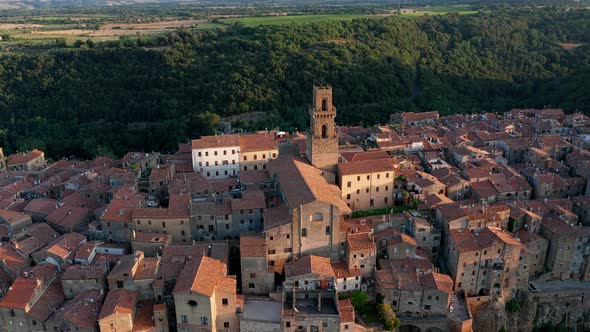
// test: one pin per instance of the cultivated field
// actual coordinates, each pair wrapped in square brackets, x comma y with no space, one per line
[289,19]
[39,33]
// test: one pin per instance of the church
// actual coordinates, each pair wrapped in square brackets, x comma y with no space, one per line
[309,210]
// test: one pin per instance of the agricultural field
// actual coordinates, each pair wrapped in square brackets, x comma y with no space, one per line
[41,29]
[304,19]
[289,19]
[31,34]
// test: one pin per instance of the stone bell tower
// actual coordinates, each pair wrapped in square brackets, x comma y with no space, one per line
[322,140]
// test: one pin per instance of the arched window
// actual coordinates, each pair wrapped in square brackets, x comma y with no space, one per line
[324,105]
[324,131]
[317,217]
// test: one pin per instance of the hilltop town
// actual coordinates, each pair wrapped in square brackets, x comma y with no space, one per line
[440,220]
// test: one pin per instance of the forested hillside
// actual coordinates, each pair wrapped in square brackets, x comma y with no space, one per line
[152,94]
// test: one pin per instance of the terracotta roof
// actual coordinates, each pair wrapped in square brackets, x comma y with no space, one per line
[118,301]
[24,288]
[402,238]
[252,245]
[120,210]
[124,266]
[464,240]
[346,311]
[351,156]
[436,281]
[147,268]
[81,311]
[175,257]
[66,245]
[86,250]
[204,275]
[360,241]
[144,316]
[259,176]
[152,237]
[489,233]
[12,217]
[52,298]
[220,141]
[341,271]
[76,272]
[301,182]
[309,265]
[412,116]
[23,158]
[42,232]
[69,217]
[12,258]
[364,167]
[29,245]
[258,142]
[43,206]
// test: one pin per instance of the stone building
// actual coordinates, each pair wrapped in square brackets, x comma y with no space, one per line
[140,161]
[135,272]
[484,262]
[160,177]
[31,300]
[568,246]
[312,206]
[367,184]
[258,278]
[80,278]
[256,150]
[413,288]
[151,244]
[216,157]
[174,220]
[26,161]
[205,297]
[79,313]
[361,253]
[310,302]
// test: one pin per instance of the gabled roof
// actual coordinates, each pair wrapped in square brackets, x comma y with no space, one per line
[366,166]
[118,301]
[309,265]
[23,158]
[464,240]
[301,182]
[436,281]
[204,275]
[81,311]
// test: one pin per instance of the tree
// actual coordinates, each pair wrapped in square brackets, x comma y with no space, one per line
[61,42]
[390,320]
[359,301]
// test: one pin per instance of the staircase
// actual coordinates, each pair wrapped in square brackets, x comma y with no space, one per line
[458,308]
[442,265]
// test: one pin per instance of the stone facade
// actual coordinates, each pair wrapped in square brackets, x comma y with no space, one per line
[322,140]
